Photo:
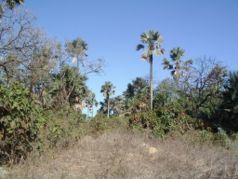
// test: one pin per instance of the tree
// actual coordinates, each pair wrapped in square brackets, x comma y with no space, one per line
[150,40]
[136,95]
[201,88]
[228,112]
[68,87]
[90,101]
[108,89]
[77,50]
[175,64]
[11,4]
[165,93]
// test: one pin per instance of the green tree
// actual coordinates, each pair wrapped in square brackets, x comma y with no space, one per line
[136,95]
[77,50]
[229,107]
[200,88]
[165,93]
[107,90]
[68,87]
[175,64]
[150,40]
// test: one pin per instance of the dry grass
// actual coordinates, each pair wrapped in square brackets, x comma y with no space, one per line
[123,154]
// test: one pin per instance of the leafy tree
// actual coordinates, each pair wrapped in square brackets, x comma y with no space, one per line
[107,90]
[68,87]
[229,108]
[117,105]
[201,88]
[165,94]
[176,65]
[150,40]
[39,69]
[77,50]
[136,95]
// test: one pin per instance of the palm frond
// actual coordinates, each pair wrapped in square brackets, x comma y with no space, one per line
[139,47]
[167,64]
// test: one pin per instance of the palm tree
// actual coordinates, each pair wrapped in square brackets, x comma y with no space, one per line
[175,64]
[108,89]
[150,40]
[77,49]
[90,101]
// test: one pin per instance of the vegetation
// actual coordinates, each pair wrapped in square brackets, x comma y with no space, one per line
[43,95]
[151,40]
[107,90]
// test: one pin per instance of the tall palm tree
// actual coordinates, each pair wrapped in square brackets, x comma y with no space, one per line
[175,64]
[151,42]
[77,49]
[108,89]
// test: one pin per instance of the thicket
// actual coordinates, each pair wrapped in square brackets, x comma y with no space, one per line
[43,94]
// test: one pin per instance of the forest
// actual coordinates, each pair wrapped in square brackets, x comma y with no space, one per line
[44,93]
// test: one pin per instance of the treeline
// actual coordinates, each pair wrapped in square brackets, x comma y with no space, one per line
[201,91]
[43,90]
[37,75]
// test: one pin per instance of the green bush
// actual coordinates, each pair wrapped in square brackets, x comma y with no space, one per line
[63,126]
[222,138]
[20,120]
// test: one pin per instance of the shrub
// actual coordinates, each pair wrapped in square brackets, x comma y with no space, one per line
[20,120]
[222,138]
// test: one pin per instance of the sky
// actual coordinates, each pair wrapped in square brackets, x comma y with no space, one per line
[112,29]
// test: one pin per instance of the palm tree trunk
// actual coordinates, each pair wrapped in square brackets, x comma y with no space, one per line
[151,82]
[78,63]
[108,105]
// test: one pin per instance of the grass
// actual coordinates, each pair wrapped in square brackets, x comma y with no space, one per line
[122,153]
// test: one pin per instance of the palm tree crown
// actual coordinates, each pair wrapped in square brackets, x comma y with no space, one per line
[77,48]
[107,90]
[176,64]
[152,40]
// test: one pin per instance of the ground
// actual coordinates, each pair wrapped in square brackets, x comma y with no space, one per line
[120,153]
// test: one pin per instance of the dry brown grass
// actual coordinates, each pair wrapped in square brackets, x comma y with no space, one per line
[123,154]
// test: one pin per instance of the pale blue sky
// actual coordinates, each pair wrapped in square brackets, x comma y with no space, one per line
[112,29]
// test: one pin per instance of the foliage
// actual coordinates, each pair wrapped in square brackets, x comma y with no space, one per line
[20,120]
[42,94]
[201,88]
[107,90]
[176,65]
[150,40]
[222,138]
[164,120]
[228,111]
[166,93]
[77,50]
[136,96]
[68,87]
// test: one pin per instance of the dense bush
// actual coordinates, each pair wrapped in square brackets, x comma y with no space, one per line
[163,120]
[20,120]
[228,111]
